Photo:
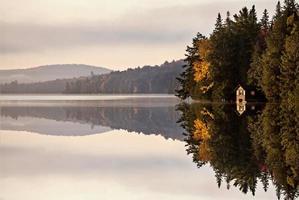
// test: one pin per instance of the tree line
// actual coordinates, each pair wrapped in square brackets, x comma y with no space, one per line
[261,55]
[258,54]
[133,118]
[157,79]
[147,79]
[244,150]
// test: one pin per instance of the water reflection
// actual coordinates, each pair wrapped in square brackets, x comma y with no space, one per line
[262,145]
[74,118]
[122,150]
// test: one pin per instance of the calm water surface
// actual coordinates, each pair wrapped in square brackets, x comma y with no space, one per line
[102,147]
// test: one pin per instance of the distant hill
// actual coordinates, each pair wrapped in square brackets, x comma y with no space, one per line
[50,72]
[148,79]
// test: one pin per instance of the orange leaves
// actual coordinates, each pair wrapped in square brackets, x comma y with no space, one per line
[202,134]
[201,130]
[201,66]
[201,70]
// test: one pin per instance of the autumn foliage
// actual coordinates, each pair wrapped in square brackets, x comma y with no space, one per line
[201,66]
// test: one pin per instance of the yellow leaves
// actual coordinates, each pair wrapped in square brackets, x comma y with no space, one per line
[201,70]
[201,130]
[201,67]
[202,134]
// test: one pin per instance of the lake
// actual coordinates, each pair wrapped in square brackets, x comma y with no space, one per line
[130,147]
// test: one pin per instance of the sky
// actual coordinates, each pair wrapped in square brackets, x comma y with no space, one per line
[116,34]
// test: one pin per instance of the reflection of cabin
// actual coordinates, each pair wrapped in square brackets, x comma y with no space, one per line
[240,100]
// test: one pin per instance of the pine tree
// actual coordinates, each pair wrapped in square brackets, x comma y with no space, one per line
[277,11]
[247,30]
[232,44]
[265,21]
[186,78]
[242,51]
[228,20]
[289,7]
[218,25]
[289,80]
[271,59]
[220,57]
[290,63]
[255,70]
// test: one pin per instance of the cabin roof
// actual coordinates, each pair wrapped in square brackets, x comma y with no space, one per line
[238,87]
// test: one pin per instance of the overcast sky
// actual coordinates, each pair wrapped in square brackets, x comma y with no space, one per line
[116,34]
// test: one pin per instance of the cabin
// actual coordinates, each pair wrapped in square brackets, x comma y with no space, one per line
[240,95]
[240,99]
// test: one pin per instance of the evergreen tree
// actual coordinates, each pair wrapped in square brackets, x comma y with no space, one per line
[289,7]
[277,11]
[218,25]
[247,30]
[241,51]
[289,80]
[221,57]
[271,59]
[231,49]
[265,21]
[186,78]
[255,70]
[290,63]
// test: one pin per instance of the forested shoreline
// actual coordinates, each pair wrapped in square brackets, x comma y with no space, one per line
[263,56]
[147,79]
[255,150]
[257,54]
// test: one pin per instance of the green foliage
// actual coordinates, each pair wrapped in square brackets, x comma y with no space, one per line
[289,71]
[271,63]
[248,149]
[261,55]
[157,79]
[264,147]
[255,71]
[231,46]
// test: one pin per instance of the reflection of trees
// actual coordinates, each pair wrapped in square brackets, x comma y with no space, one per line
[247,149]
[146,120]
